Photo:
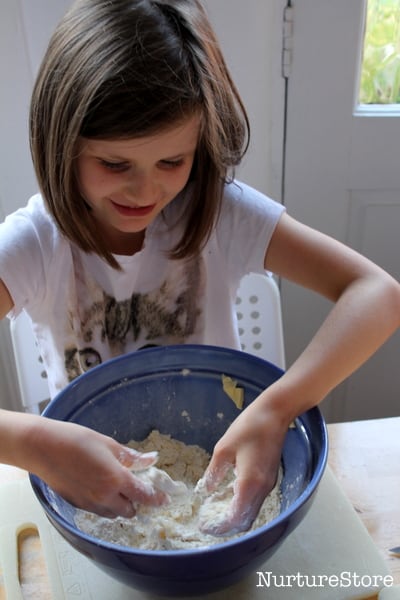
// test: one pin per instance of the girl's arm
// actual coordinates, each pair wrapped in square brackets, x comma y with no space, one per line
[89,469]
[6,302]
[366,312]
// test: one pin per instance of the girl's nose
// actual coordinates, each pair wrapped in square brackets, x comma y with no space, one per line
[142,189]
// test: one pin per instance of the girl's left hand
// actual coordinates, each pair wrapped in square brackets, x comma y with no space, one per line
[252,445]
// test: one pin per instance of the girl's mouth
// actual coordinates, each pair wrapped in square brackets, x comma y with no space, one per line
[133,211]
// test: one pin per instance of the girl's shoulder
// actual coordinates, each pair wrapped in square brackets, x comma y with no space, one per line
[243,205]
[244,227]
[33,254]
[32,225]
[35,212]
[239,195]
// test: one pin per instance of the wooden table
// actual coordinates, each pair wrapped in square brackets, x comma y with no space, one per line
[364,456]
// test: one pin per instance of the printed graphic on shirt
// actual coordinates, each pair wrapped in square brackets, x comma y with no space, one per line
[103,327]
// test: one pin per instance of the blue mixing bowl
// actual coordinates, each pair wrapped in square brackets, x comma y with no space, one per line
[159,388]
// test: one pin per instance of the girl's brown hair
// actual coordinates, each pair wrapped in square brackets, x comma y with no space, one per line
[127,68]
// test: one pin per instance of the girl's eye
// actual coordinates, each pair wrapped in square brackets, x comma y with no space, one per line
[115,166]
[171,164]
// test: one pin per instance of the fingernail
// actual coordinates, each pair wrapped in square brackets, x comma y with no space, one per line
[201,487]
[143,455]
[150,455]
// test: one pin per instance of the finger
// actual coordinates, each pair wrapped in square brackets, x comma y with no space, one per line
[234,520]
[163,482]
[120,506]
[143,492]
[213,476]
[240,513]
[217,525]
[136,461]
[109,506]
[246,503]
[132,491]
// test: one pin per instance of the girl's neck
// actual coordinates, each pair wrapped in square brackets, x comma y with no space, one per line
[126,244]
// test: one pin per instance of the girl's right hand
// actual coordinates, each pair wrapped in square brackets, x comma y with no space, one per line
[90,470]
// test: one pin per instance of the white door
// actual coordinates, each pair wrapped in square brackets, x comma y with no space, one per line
[342,176]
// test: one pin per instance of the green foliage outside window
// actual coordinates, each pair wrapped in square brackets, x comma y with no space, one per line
[380,76]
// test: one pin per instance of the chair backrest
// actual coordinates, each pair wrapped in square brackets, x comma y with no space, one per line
[31,375]
[259,315]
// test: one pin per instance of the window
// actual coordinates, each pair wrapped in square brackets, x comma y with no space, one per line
[380,71]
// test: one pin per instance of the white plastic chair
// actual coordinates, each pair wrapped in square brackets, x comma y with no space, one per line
[258,310]
[259,315]
[31,375]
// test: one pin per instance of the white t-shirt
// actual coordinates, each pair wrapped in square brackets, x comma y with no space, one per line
[85,312]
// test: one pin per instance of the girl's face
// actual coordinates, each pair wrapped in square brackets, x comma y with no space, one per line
[127,182]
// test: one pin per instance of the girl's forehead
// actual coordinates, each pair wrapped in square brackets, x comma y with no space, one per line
[179,138]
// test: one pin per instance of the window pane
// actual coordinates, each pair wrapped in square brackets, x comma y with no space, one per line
[380,74]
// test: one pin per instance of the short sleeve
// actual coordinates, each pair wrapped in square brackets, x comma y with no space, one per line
[21,257]
[245,227]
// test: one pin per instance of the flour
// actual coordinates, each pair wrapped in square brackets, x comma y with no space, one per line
[176,525]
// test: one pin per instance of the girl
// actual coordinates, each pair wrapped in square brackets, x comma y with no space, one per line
[140,236]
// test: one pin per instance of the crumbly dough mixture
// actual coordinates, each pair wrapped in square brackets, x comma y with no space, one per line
[176,525]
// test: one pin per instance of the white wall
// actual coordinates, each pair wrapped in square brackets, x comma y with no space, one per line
[251,36]
[250,33]
[25,27]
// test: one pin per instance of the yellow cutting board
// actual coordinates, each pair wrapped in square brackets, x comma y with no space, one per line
[331,544]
